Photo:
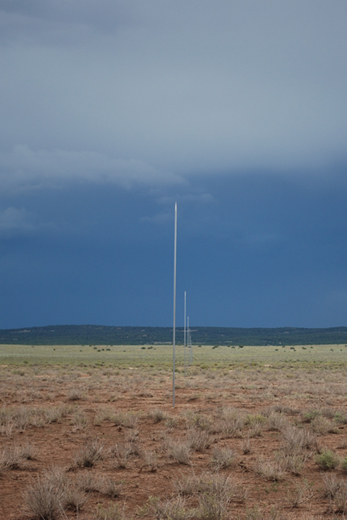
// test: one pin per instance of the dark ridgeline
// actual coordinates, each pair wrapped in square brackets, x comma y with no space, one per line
[105,335]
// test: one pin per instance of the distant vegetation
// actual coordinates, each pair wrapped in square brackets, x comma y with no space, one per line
[103,335]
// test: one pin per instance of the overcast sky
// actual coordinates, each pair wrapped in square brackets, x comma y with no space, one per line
[111,111]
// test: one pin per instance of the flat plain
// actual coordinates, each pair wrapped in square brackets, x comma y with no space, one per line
[90,432]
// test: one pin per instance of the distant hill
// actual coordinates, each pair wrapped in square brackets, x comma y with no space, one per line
[104,335]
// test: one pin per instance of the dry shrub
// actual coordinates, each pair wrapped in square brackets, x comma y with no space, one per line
[210,483]
[150,460]
[213,506]
[331,486]
[122,452]
[157,415]
[292,462]
[11,457]
[230,422]
[101,416]
[74,498]
[255,418]
[79,421]
[340,417]
[246,445]
[112,512]
[20,418]
[270,469]
[87,482]
[310,415]
[276,422]
[172,422]
[74,394]
[256,430]
[214,495]
[327,460]
[89,454]
[283,409]
[100,484]
[46,497]
[179,451]
[321,425]
[302,492]
[125,419]
[297,440]
[172,509]
[222,458]
[340,498]
[199,421]
[55,414]
[343,443]
[198,440]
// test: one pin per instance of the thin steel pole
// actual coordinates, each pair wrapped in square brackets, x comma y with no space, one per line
[188,339]
[185,330]
[174,311]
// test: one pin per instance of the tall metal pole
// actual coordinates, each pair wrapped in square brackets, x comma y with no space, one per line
[185,330]
[174,310]
[188,339]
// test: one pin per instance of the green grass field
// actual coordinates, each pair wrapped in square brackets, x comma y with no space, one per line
[161,355]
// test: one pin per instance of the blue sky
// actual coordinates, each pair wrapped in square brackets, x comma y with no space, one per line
[236,110]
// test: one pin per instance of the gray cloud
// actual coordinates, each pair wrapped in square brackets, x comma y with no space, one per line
[155,91]
[16,222]
[23,167]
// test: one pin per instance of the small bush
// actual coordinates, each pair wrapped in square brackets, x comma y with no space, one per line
[150,460]
[321,425]
[158,415]
[122,453]
[270,469]
[89,454]
[222,458]
[172,509]
[74,394]
[45,498]
[301,493]
[179,451]
[331,486]
[327,460]
[125,419]
[198,440]
[112,512]
[213,507]
[340,498]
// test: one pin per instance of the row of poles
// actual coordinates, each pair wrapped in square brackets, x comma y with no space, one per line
[187,342]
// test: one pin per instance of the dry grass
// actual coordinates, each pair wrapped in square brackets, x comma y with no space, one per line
[172,509]
[121,452]
[270,469]
[158,415]
[222,458]
[296,440]
[150,460]
[47,497]
[301,492]
[90,453]
[125,419]
[179,451]
[198,440]
[276,417]
[12,457]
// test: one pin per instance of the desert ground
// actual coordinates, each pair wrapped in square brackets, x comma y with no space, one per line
[90,433]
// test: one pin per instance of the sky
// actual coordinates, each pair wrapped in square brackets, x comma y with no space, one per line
[112,111]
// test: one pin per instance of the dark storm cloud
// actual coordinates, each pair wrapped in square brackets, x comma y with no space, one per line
[181,88]
[112,111]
